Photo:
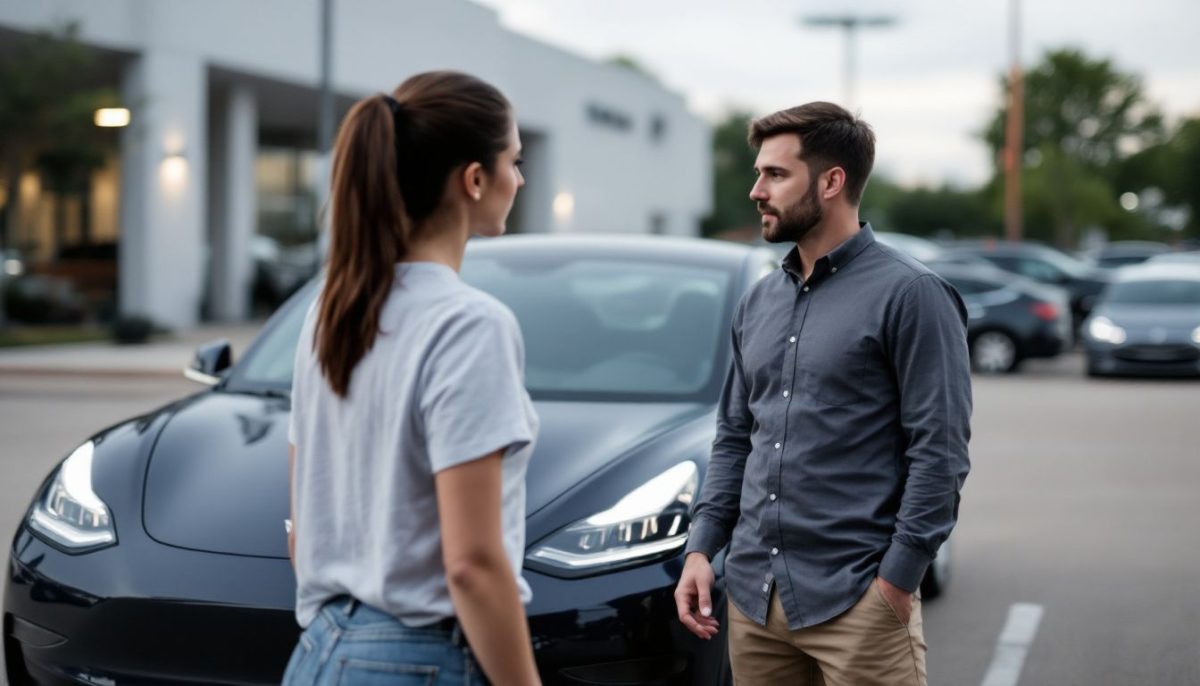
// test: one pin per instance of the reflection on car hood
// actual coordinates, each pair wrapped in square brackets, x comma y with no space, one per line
[217,479]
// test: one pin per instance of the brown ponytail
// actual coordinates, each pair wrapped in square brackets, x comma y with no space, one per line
[389,175]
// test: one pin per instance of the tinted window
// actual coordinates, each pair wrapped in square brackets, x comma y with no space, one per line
[594,328]
[1154,293]
[598,328]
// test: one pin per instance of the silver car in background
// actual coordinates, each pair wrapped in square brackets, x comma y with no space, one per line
[1147,323]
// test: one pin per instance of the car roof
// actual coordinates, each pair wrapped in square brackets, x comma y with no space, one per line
[1167,271]
[1000,247]
[1132,247]
[621,246]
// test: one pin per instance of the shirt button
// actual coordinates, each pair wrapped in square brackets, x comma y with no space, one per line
[766,588]
[806,289]
[792,339]
[834,270]
[786,393]
[772,496]
[774,551]
[778,446]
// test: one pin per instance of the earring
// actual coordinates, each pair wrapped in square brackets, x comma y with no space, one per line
[476,195]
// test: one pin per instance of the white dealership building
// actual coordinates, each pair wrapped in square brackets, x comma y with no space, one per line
[223,98]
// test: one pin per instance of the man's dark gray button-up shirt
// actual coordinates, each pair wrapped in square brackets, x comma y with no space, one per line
[841,434]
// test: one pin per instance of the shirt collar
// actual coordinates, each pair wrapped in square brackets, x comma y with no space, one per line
[425,270]
[837,259]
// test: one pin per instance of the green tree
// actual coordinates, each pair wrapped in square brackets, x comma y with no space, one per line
[1083,117]
[46,116]
[927,211]
[1085,109]
[733,176]
[1173,167]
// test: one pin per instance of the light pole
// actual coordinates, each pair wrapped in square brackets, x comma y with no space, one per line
[324,125]
[1014,126]
[849,24]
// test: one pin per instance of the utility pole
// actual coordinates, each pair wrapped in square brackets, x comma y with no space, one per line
[324,128]
[1014,143]
[849,24]
[325,114]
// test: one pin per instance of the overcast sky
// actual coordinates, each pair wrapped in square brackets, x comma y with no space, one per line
[927,84]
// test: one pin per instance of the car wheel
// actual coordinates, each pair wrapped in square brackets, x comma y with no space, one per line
[938,574]
[994,352]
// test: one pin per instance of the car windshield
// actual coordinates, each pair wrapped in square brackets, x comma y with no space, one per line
[594,328]
[1064,262]
[1154,292]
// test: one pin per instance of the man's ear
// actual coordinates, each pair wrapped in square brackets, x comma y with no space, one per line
[835,182]
[473,180]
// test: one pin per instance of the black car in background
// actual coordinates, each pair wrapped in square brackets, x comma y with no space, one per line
[155,552]
[1147,323]
[1010,319]
[1124,253]
[1038,263]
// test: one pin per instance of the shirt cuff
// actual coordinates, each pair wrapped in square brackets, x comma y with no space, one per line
[904,566]
[705,537]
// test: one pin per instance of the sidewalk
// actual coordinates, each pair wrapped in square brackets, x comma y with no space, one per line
[158,358]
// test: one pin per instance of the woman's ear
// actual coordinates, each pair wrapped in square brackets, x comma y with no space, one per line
[473,180]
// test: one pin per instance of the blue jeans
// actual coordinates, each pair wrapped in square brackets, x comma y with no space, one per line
[352,643]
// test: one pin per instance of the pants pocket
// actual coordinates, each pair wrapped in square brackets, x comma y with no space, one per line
[358,672]
[884,601]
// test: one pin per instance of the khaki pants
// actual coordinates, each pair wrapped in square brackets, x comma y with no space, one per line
[866,645]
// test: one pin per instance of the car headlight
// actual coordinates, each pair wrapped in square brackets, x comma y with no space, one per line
[68,511]
[1102,329]
[1196,335]
[648,523]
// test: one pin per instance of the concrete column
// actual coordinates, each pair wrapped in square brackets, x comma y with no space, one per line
[163,177]
[234,203]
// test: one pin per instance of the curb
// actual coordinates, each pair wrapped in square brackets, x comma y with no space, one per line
[106,372]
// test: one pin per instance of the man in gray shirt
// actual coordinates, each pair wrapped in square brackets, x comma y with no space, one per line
[841,434]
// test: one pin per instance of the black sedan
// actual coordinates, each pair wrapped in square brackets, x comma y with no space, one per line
[1147,323]
[155,552]
[1039,263]
[1010,319]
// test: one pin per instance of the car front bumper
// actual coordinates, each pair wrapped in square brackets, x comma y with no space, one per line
[618,628]
[1144,359]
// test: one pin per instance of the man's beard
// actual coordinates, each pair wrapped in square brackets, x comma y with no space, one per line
[795,222]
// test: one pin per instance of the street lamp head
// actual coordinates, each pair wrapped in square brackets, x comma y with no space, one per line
[846,21]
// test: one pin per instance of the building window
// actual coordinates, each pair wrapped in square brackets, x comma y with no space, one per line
[607,117]
[658,128]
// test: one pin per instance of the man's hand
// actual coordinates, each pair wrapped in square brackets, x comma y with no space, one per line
[900,599]
[693,599]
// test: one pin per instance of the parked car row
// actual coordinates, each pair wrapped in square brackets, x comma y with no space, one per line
[1133,304]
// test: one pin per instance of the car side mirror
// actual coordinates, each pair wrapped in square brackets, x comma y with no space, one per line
[211,362]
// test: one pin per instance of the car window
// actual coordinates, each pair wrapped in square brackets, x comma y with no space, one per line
[596,328]
[1039,271]
[1158,292]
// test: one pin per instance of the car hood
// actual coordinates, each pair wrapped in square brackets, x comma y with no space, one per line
[217,478]
[1135,316]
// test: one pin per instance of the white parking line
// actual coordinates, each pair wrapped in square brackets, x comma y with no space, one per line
[1019,630]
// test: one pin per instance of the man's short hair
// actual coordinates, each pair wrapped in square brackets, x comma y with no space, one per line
[829,137]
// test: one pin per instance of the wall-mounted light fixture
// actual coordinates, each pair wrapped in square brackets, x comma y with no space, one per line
[173,170]
[112,117]
[564,209]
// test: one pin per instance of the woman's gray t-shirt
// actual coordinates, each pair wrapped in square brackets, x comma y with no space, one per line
[442,385]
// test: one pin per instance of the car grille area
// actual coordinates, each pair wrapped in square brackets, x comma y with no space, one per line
[1158,353]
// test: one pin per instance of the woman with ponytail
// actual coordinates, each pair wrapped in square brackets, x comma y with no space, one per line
[411,428]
